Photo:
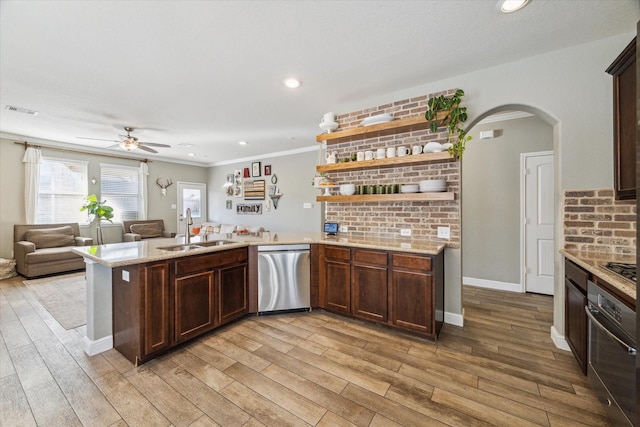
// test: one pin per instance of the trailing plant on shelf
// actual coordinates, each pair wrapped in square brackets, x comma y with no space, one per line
[455,115]
[97,209]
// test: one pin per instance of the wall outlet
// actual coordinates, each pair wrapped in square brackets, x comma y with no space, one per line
[405,232]
[344,229]
[444,232]
[125,275]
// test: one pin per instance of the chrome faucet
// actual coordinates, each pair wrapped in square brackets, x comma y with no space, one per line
[189,222]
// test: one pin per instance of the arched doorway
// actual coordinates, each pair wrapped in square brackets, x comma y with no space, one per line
[491,217]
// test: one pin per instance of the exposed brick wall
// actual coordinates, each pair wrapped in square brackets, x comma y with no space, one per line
[387,218]
[595,221]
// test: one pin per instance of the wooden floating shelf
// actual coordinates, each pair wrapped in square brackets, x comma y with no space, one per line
[408,124]
[409,160]
[400,197]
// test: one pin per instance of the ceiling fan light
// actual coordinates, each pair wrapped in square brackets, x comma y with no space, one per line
[509,6]
[129,144]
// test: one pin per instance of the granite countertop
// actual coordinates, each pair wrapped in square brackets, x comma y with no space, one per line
[593,261]
[129,253]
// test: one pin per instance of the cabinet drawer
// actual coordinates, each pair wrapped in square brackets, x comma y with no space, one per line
[203,262]
[335,252]
[370,257]
[576,275]
[413,262]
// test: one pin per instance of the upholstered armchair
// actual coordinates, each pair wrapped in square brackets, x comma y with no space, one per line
[144,229]
[42,249]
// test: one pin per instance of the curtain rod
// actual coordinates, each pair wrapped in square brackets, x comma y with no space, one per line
[49,147]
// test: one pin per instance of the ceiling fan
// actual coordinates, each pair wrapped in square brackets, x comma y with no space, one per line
[129,142]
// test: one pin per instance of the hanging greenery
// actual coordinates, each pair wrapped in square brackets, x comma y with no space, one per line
[455,115]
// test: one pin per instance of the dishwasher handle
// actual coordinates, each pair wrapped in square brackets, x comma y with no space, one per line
[283,248]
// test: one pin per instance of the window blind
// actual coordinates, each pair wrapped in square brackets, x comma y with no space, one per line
[61,191]
[120,188]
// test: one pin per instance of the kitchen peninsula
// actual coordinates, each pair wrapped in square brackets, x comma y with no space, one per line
[396,282]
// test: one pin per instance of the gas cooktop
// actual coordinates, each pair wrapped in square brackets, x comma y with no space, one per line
[627,271]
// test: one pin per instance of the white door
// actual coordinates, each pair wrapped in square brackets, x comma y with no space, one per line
[538,222]
[191,195]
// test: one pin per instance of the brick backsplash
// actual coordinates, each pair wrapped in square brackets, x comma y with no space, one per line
[595,221]
[387,218]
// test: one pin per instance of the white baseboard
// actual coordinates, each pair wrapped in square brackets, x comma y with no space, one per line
[98,346]
[454,318]
[559,340]
[492,284]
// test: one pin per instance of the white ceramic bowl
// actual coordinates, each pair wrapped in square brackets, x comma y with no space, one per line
[347,189]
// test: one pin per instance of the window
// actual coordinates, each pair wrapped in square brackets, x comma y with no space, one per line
[61,191]
[120,188]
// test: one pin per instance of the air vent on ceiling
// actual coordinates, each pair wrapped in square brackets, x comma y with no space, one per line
[22,110]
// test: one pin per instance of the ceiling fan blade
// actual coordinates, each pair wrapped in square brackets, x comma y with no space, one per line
[150,150]
[113,146]
[155,144]
[97,139]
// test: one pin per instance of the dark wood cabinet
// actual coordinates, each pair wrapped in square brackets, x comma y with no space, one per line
[233,298]
[412,293]
[156,315]
[194,302]
[575,317]
[369,285]
[623,70]
[159,305]
[398,289]
[337,278]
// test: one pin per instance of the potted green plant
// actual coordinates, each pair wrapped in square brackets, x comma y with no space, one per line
[453,117]
[97,211]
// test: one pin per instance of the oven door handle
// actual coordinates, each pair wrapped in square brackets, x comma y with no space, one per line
[590,312]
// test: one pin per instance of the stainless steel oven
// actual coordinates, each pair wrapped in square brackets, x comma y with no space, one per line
[612,354]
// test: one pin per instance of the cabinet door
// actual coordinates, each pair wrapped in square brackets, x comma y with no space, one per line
[155,306]
[233,301]
[338,292]
[194,305]
[412,300]
[623,70]
[370,285]
[576,323]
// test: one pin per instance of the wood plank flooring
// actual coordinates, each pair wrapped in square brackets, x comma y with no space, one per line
[301,369]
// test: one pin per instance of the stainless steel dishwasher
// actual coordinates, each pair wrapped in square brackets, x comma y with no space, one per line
[284,277]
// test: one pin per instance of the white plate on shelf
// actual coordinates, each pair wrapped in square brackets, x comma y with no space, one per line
[409,188]
[380,118]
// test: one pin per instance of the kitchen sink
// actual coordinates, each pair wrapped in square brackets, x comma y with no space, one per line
[181,248]
[215,243]
[199,245]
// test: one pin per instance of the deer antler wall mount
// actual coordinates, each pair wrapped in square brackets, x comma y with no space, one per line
[163,187]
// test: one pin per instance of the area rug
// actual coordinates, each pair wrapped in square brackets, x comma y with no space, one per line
[64,297]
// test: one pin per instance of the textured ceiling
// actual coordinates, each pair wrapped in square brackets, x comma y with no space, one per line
[208,73]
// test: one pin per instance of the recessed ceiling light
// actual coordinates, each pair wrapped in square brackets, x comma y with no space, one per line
[185,144]
[243,142]
[191,154]
[509,6]
[291,83]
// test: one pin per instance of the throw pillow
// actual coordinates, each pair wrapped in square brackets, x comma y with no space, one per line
[147,231]
[51,237]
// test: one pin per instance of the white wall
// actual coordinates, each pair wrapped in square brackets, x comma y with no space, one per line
[294,173]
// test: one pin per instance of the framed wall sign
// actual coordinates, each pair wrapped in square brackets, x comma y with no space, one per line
[254,189]
[267,169]
[255,169]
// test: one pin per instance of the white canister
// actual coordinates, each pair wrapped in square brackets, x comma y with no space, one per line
[402,151]
[380,153]
[391,152]
[368,155]
[360,156]
[417,149]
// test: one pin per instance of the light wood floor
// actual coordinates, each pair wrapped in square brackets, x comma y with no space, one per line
[300,369]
